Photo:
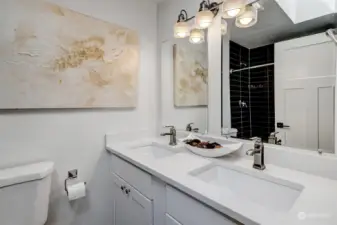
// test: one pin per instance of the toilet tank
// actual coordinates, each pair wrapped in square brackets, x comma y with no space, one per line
[24,194]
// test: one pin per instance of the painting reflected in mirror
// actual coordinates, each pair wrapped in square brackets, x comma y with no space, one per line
[190,74]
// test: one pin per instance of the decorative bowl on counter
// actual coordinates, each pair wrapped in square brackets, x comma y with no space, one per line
[212,149]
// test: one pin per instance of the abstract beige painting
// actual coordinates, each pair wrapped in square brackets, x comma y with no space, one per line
[190,74]
[53,57]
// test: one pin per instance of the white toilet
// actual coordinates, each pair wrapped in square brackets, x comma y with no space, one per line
[24,194]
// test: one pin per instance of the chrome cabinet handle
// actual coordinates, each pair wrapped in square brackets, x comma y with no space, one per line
[127,191]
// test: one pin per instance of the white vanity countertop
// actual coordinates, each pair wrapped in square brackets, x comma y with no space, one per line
[316,205]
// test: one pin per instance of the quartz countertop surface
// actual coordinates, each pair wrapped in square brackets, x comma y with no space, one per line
[316,204]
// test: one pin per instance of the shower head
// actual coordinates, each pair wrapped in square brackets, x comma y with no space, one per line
[331,33]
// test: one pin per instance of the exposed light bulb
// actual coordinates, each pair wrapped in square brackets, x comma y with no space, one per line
[181,35]
[233,8]
[246,21]
[233,12]
[195,39]
[181,30]
[248,18]
[197,36]
[204,25]
[204,19]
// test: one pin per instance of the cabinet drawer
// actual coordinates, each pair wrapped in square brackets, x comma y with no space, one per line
[137,178]
[169,220]
[189,211]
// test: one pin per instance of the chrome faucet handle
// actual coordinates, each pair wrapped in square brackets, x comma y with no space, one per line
[172,128]
[273,134]
[258,145]
[251,152]
[189,127]
[173,131]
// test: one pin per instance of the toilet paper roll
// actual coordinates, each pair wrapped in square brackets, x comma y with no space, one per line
[76,191]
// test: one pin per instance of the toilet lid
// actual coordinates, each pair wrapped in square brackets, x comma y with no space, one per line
[26,173]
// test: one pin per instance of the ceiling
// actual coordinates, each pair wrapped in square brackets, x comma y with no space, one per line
[274,26]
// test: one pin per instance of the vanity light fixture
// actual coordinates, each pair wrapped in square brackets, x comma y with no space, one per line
[197,36]
[245,12]
[204,19]
[182,28]
[207,11]
[248,18]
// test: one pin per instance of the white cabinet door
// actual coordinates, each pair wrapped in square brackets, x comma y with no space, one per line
[122,212]
[169,220]
[130,206]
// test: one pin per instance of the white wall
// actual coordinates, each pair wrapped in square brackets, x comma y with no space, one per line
[168,12]
[75,138]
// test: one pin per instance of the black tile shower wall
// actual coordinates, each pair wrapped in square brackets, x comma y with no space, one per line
[252,91]
[262,102]
[239,92]
[261,55]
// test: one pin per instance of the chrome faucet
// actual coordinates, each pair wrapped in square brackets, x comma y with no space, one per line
[172,134]
[258,153]
[272,139]
[190,129]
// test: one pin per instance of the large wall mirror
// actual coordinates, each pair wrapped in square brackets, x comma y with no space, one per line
[282,80]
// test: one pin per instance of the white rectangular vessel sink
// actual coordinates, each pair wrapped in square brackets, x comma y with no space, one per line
[154,152]
[266,191]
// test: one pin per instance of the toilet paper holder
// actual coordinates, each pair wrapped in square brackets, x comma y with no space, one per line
[72,174]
